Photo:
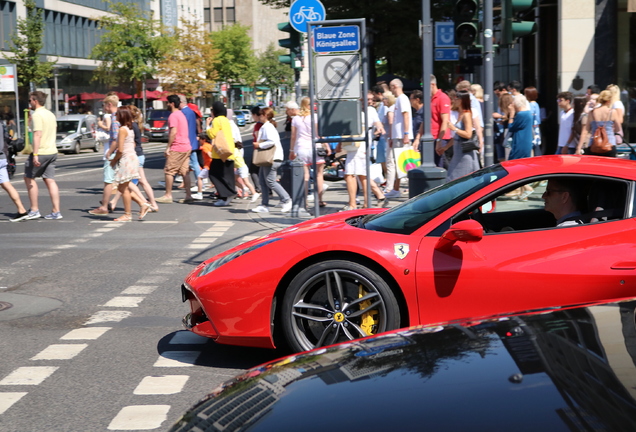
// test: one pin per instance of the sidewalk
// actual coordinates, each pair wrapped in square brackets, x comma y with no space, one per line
[335,196]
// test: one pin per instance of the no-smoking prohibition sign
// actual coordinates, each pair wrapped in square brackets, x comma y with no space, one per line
[338,77]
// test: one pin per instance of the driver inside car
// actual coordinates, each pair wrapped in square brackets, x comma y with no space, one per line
[562,198]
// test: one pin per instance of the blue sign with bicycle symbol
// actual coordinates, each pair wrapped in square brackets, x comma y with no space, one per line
[303,11]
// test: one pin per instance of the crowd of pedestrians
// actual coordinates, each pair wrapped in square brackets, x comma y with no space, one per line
[212,153]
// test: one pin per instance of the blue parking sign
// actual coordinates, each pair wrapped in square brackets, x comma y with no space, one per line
[444,34]
[303,11]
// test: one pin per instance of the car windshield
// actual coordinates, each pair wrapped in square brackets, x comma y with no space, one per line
[158,114]
[411,215]
[67,126]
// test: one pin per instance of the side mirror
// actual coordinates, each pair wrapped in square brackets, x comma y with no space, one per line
[467,231]
[83,130]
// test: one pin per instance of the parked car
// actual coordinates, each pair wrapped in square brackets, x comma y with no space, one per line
[76,132]
[560,369]
[459,250]
[156,128]
[240,117]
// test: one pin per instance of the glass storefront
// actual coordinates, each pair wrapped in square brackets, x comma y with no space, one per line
[626,64]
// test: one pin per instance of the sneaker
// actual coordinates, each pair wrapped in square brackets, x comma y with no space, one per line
[33,215]
[382,203]
[310,198]
[178,179]
[19,217]
[286,207]
[194,189]
[54,216]
[221,203]
[161,183]
[197,196]
[260,209]
[255,197]
[325,186]
[393,194]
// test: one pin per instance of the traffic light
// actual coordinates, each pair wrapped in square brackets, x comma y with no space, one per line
[293,43]
[466,22]
[511,25]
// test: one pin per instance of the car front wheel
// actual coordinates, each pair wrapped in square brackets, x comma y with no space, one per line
[336,301]
[77,147]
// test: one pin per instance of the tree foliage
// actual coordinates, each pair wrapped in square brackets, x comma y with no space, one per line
[273,73]
[132,45]
[188,68]
[392,27]
[26,45]
[235,61]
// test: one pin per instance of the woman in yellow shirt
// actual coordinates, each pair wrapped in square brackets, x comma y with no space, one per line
[222,171]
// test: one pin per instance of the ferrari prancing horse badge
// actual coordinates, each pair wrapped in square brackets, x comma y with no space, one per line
[401,250]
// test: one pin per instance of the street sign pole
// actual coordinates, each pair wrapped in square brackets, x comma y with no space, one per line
[488,85]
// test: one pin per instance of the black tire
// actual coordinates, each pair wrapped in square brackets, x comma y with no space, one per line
[77,148]
[311,319]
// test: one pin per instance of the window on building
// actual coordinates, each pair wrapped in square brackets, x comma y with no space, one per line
[229,15]
[218,15]
[206,15]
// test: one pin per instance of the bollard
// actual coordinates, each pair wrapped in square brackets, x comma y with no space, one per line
[424,178]
[292,179]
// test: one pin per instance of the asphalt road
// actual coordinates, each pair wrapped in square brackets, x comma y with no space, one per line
[91,337]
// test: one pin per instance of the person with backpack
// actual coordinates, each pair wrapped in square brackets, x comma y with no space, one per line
[5,183]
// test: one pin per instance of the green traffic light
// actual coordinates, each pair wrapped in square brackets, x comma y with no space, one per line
[511,26]
[466,19]
[293,43]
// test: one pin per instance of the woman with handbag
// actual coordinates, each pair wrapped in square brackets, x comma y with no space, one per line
[301,147]
[465,158]
[601,142]
[268,138]
[222,165]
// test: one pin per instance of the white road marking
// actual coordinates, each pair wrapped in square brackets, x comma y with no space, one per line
[85,333]
[129,302]
[204,240]
[224,223]
[79,240]
[25,262]
[145,221]
[187,337]
[93,235]
[212,233]
[217,229]
[177,359]
[103,230]
[8,399]
[28,375]
[45,254]
[140,417]
[60,352]
[66,246]
[249,238]
[113,225]
[137,289]
[199,246]
[107,316]
[161,385]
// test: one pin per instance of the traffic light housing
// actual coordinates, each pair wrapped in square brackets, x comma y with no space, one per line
[512,27]
[293,43]
[466,19]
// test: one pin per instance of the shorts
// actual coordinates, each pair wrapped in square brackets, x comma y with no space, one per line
[196,162]
[4,174]
[356,164]
[142,160]
[243,172]
[109,172]
[177,163]
[45,170]
[304,154]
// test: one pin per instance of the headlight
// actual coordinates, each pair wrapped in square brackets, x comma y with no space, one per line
[146,126]
[68,140]
[229,257]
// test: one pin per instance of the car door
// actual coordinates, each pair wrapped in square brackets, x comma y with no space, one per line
[510,271]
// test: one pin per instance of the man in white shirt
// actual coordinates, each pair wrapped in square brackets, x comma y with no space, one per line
[401,135]
[566,144]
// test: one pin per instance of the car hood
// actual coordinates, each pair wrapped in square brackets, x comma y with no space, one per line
[542,371]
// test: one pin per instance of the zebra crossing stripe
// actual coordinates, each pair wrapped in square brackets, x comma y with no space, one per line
[60,352]
[161,385]
[140,417]
[8,399]
[28,375]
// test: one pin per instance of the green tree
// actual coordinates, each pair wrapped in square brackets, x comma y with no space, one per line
[273,73]
[132,45]
[235,62]
[27,43]
[188,68]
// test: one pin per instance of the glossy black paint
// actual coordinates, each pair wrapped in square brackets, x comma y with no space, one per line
[564,369]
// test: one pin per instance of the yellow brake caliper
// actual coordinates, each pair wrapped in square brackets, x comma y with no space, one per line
[369,319]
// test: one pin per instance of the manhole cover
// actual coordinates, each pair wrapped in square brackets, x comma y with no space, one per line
[5,305]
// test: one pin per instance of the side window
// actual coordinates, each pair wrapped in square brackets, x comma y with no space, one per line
[540,203]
